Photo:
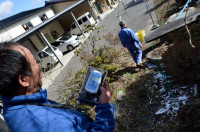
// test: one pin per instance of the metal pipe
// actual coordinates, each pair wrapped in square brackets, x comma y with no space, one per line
[92,10]
[147,6]
[154,25]
[77,23]
[182,10]
[49,45]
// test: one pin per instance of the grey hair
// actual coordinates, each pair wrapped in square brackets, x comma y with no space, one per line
[122,24]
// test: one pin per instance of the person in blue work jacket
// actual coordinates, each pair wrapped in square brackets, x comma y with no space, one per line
[132,43]
[25,104]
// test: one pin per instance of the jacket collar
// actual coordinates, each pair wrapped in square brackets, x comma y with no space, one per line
[39,97]
[123,27]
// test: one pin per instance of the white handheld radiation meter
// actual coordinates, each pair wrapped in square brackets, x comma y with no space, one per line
[93,82]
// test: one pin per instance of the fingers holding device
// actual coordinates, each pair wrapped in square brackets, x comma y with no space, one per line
[105,96]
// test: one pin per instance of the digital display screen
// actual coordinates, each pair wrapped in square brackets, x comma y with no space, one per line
[94,78]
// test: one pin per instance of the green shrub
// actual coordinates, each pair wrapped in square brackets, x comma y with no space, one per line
[110,67]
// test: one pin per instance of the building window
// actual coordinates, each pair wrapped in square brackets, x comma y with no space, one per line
[27,25]
[79,22]
[43,17]
[89,15]
[73,26]
[55,35]
[84,19]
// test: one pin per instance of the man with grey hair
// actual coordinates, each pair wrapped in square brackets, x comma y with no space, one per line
[26,107]
[132,43]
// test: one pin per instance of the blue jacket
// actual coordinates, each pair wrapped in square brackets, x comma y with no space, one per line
[128,38]
[34,118]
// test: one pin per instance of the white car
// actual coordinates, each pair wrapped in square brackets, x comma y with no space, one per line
[84,21]
[46,58]
[66,43]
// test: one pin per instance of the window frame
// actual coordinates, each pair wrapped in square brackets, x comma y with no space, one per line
[43,17]
[73,26]
[28,25]
[89,16]
[84,18]
[80,21]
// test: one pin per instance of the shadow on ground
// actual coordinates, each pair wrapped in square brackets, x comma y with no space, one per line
[133,3]
[156,7]
[131,70]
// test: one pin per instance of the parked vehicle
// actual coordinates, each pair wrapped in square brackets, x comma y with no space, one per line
[66,43]
[85,21]
[46,58]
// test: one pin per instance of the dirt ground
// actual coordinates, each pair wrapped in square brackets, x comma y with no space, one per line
[147,97]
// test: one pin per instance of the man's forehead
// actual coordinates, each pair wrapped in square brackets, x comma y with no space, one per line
[19,48]
[24,51]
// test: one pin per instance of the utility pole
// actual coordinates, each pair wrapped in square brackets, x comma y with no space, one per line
[77,23]
[154,25]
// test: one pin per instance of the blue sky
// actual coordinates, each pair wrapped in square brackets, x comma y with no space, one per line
[11,7]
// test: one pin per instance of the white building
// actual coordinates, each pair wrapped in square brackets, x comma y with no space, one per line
[37,27]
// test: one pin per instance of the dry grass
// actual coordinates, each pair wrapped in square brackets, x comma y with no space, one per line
[163,8]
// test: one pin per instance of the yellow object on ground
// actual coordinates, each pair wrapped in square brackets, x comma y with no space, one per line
[140,34]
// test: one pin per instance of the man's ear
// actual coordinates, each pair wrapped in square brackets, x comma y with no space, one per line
[24,80]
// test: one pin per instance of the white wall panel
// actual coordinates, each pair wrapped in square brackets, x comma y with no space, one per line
[49,13]
[16,31]
[35,21]
[5,36]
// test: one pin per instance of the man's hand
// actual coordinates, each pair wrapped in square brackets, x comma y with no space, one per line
[105,96]
[140,45]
